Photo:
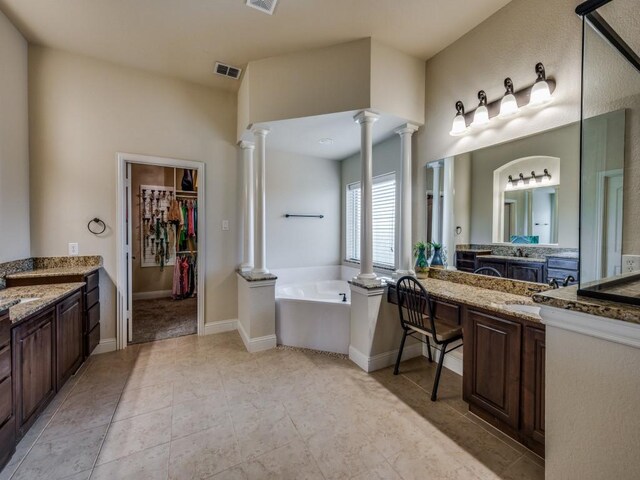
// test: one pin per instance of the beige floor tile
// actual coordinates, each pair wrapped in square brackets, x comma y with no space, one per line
[233,473]
[290,462]
[134,434]
[61,457]
[143,400]
[524,468]
[79,476]
[149,464]
[204,454]
[199,414]
[419,460]
[381,471]
[188,389]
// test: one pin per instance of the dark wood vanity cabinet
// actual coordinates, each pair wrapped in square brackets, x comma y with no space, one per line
[7,419]
[533,382]
[560,268]
[516,269]
[498,264]
[69,337]
[466,260]
[34,367]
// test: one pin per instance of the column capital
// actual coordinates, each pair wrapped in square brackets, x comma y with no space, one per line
[246,145]
[366,116]
[407,128]
[434,165]
[262,131]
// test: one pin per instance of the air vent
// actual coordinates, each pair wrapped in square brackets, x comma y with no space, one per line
[266,6]
[227,70]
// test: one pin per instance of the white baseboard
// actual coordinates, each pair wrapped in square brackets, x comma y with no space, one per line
[452,361]
[152,295]
[220,326]
[257,344]
[383,360]
[105,345]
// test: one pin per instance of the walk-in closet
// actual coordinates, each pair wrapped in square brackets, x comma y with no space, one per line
[164,220]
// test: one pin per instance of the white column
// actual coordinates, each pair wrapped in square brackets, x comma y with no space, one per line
[404,252]
[248,207]
[436,235]
[366,120]
[260,252]
[448,217]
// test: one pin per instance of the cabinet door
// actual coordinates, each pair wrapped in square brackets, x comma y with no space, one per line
[499,265]
[492,365]
[528,272]
[533,384]
[68,337]
[34,367]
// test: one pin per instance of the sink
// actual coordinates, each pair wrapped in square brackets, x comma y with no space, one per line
[530,309]
[28,300]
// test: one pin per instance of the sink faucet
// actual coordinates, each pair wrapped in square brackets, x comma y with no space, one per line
[344,296]
[568,279]
[553,283]
[519,253]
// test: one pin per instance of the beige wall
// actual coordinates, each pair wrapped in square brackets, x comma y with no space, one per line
[592,391]
[14,144]
[307,185]
[83,111]
[507,44]
[147,279]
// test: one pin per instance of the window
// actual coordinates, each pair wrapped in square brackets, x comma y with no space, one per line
[384,221]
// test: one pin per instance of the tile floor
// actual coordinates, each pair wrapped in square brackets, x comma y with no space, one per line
[203,408]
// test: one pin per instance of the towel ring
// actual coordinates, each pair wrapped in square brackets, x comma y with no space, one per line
[99,222]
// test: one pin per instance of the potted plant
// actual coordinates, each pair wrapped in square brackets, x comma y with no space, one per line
[420,252]
[436,259]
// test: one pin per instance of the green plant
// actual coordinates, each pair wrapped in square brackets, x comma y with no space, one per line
[420,246]
[435,245]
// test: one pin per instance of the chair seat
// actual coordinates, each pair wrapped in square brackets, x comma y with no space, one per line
[443,331]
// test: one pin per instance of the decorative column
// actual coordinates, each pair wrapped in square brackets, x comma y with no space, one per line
[366,119]
[436,234]
[260,253]
[404,252]
[248,207]
[448,211]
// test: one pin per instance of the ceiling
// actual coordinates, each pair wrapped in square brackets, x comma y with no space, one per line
[303,135]
[183,38]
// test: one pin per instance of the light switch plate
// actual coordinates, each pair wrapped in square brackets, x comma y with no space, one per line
[73,249]
[630,263]
[225,225]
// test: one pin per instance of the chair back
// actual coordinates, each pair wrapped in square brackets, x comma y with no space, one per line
[413,304]
[492,272]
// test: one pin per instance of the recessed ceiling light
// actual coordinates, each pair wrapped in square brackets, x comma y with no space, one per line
[326,141]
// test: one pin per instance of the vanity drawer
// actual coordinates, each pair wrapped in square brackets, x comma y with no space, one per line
[5,362]
[447,313]
[562,263]
[92,280]
[92,339]
[6,399]
[93,317]
[561,274]
[92,298]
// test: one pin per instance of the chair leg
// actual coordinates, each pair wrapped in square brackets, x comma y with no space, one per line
[404,337]
[436,381]
[429,349]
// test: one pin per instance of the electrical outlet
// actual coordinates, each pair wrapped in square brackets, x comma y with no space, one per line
[630,263]
[225,225]
[73,249]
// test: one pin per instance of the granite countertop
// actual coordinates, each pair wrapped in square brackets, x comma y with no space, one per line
[42,295]
[256,277]
[79,270]
[6,304]
[573,255]
[473,250]
[515,259]
[568,299]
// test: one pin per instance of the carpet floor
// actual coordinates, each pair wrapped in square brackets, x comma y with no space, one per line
[163,318]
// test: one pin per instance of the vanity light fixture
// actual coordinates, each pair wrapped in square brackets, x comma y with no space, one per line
[540,92]
[526,181]
[546,178]
[521,181]
[508,104]
[481,115]
[459,126]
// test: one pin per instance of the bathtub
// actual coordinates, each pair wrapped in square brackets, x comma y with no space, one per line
[312,313]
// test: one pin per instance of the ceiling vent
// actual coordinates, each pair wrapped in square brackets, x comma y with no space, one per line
[227,70]
[265,6]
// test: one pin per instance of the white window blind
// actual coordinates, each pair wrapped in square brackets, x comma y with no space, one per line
[384,220]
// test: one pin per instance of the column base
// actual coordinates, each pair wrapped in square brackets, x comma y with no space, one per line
[246,267]
[259,271]
[367,282]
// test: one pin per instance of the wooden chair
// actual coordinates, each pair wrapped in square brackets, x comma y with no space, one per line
[417,318]
[492,272]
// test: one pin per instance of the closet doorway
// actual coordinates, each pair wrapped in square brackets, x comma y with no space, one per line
[160,283]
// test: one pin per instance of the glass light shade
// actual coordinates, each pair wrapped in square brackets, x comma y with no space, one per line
[540,94]
[546,179]
[508,106]
[459,126]
[509,186]
[480,117]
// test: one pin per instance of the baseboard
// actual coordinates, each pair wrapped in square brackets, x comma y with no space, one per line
[220,326]
[383,360]
[452,361]
[152,295]
[105,345]
[257,344]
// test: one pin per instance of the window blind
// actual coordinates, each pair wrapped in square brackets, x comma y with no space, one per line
[384,220]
